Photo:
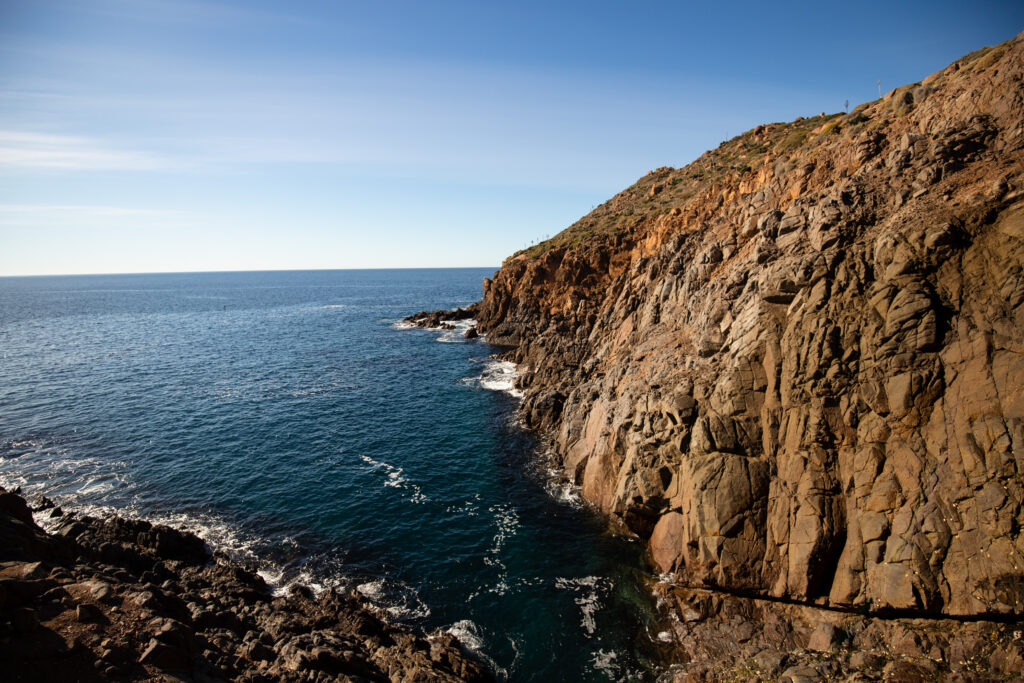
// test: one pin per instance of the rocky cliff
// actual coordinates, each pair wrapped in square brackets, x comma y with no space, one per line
[116,599]
[795,367]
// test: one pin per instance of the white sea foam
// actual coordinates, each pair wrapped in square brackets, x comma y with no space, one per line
[547,469]
[589,604]
[219,534]
[102,497]
[272,575]
[497,375]
[468,635]
[570,493]
[335,306]
[607,663]
[405,613]
[90,486]
[374,590]
[47,468]
[457,335]
[561,489]
[96,486]
[239,545]
[587,596]
[470,508]
[314,581]
[506,522]
[452,336]
[395,478]
[401,602]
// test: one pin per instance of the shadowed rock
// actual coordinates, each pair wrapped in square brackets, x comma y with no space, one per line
[130,600]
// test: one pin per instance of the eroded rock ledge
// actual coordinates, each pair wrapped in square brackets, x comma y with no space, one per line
[795,367]
[114,599]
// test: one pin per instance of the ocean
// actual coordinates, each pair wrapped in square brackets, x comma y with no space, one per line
[293,421]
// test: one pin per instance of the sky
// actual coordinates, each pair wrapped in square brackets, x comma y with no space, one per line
[194,135]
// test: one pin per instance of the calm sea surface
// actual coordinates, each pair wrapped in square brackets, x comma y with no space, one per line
[288,419]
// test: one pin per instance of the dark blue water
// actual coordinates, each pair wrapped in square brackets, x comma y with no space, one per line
[288,419]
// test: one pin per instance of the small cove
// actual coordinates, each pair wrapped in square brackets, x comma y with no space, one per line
[288,419]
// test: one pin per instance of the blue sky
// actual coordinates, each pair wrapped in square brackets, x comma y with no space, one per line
[180,135]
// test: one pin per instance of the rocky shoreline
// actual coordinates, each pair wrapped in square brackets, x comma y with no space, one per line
[118,599]
[714,634]
[794,370]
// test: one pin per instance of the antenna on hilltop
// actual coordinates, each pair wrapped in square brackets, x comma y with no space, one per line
[846,106]
[879,88]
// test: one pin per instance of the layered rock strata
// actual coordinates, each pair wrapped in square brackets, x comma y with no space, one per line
[114,599]
[795,367]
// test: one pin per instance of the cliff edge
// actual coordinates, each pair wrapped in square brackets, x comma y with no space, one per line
[795,367]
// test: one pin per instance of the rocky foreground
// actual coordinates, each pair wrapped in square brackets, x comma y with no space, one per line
[114,599]
[795,368]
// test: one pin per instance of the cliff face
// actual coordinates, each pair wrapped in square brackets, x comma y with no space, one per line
[796,366]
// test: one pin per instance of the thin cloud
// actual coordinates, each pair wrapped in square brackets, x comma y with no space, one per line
[90,209]
[28,216]
[27,149]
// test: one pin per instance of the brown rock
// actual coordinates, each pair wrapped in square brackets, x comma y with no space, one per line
[88,614]
[823,638]
[855,366]
[163,656]
[769,662]
[861,661]
[334,634]
[801,674]
[849,338]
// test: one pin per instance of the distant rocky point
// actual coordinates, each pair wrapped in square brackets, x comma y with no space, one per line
[116,599]
[795,369]
[442,319]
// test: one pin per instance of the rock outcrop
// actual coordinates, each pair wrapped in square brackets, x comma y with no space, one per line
[795,367]
[118,599]
[441,319]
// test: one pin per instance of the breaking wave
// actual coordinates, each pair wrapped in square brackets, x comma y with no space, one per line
[497,375]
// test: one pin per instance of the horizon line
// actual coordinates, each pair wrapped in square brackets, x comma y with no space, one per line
[245,270]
